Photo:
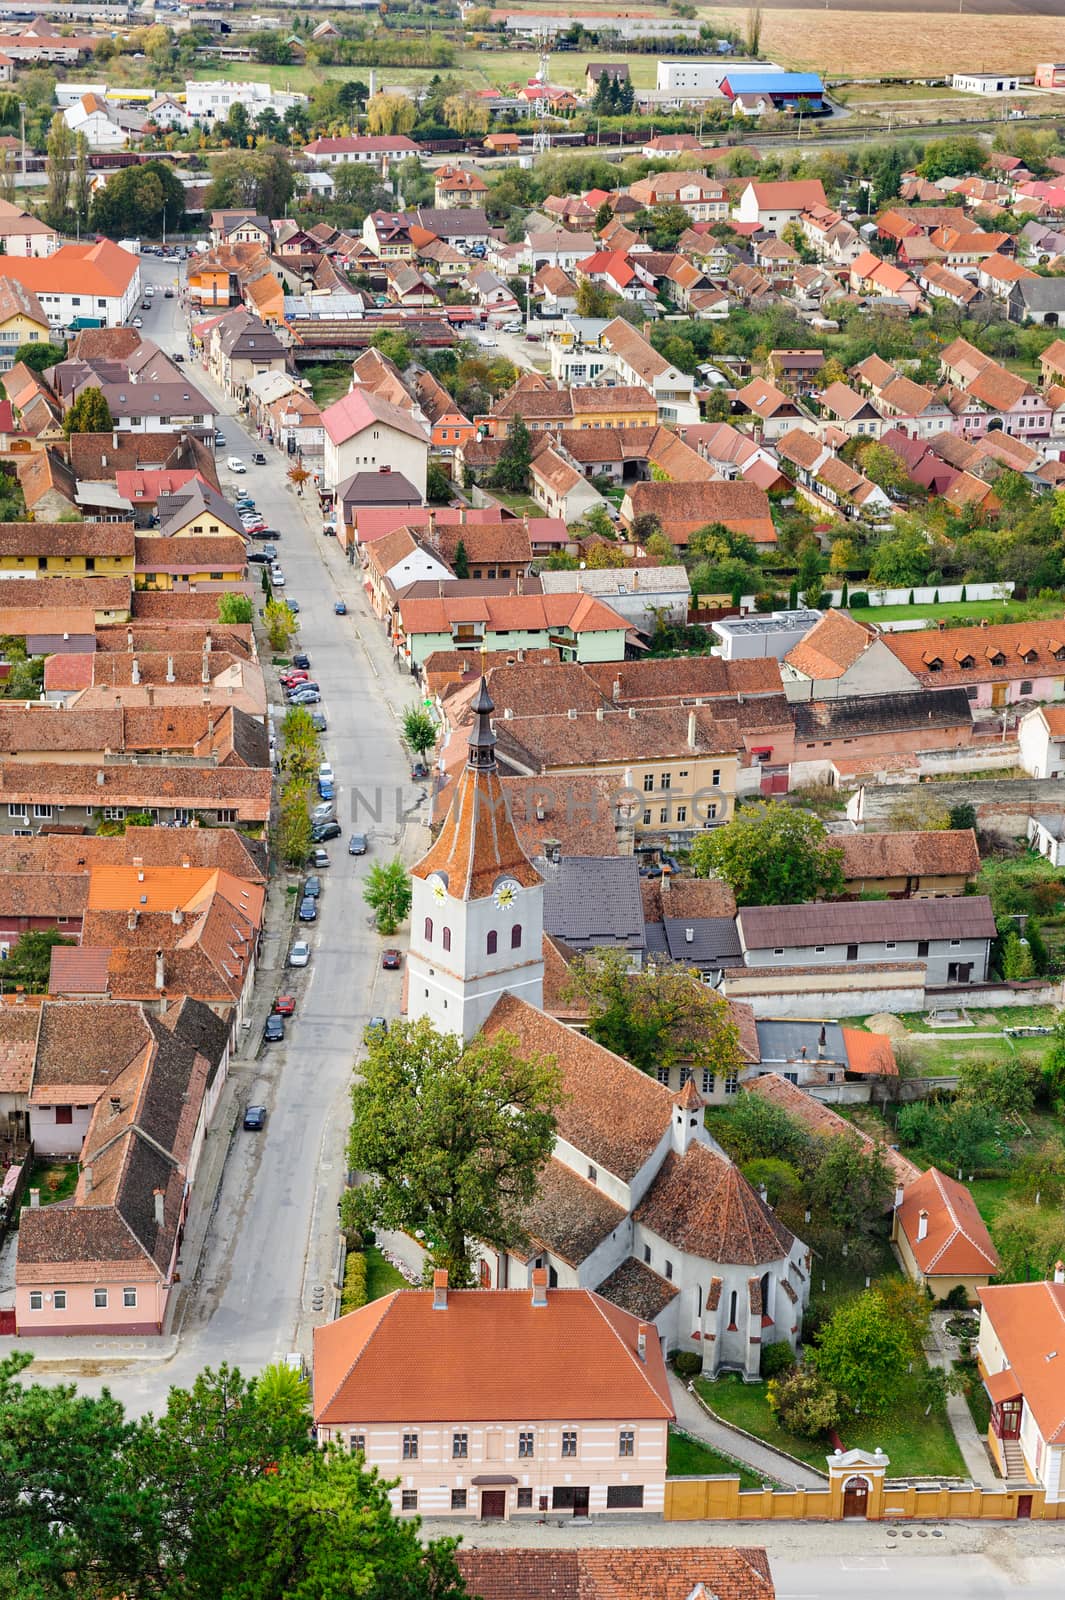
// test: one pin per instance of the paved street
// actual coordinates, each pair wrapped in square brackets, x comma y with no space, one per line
[272,1236]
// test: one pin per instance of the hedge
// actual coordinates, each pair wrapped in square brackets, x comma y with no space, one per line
[353,1294]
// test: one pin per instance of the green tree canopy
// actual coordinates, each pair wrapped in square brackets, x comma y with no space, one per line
[90,413]
[39,357]
[454,1137]
[294,824]
[512,469]
[863,1352]
[656,1017]
[134,199]
[235,608]
[769,855]
[30,960]
[419,730]
[263,180]
[387,892]
[955,1135]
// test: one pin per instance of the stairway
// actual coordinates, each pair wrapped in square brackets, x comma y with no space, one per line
[1011,1453]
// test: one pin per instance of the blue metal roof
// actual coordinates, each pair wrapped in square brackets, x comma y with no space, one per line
[808,83]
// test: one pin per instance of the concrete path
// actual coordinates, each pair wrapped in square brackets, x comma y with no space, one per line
[774,1467]
[941,1350]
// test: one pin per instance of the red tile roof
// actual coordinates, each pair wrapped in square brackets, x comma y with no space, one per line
[1029,1323]
[594,1574]
[957,1243]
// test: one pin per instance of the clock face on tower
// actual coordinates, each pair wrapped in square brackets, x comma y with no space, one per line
[506,895]
[439,890]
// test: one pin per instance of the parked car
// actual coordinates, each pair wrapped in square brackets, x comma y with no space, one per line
[318,722]
[419,771]
[391,960]
[312,888]
[285,1005]
[255,1119]
[324,811]
[357,844]
[235,464]
[269,550]
[532,338]
[340,608]
[304,697]
[138,322]
[178,356]
[219,441]
[329,532]
[257,558]
[308,911]
[274,1031]
[301,659]
[277,578]
[375,1028]
[319,859]
[300,954]
[258,459]
[168,294]
[326,830]
[325,772]
[293,606]
[327,789]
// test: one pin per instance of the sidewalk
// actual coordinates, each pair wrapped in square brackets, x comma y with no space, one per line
[761,1458]
[974,1451]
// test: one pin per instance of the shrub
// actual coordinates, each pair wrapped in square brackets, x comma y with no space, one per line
[859,598]
[353,1294]
[777,1358]
[686,1364]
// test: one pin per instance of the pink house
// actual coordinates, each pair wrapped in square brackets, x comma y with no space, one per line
[105,1264]
[998,664]
[499,1403]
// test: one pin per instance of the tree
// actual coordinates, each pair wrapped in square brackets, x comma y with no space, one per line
[656,1017]
[512,469]
[280,623]
[81,184]
[298,476]
[848,1192]
[388,894]
[320,1525]
[394,346]
[465,114]
[301,748]
[39,357]
[139,200]
[90,413]
[455,1136]
[759,1130]
[213,1441]
[963,815]
[58,161]
[279,1389]
[263,180]
[803,1403]
[1007,1085]
[754,30]
[419,730]
[30,961]
[1029,1239]
[439,490]
[863,1353]
[957,1136]
[461,562]
[389,113]
[661,549]
[1017,959]
[294,831]
[904,560]
[771,855]
[883,467]
[595,299]
[811,570]
[235,608]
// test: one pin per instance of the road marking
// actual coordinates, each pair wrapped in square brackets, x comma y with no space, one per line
[863,1563]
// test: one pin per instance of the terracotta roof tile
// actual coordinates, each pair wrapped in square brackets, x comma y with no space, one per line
[569,1216]
[569,1574]
[957,1243]
[700,1203]
[831,647]
[994,652]
[638,1289]
[894,855]
[822,1121]
[496,1357]
[1029,1323]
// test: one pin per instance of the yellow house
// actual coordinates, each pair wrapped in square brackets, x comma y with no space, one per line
[670,769]
[176,563]
[197,511]
[21,320]
[68,548]
[941,1238]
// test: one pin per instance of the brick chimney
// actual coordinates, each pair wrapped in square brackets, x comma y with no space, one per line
[1059,1272]
[539,1286]
[159,1197]
[86,1179]
[440,1290]
[645,1331]
[160,972]
[922,1226]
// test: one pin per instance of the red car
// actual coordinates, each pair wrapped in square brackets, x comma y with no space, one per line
[391,960]
[285,1006]
[292,676]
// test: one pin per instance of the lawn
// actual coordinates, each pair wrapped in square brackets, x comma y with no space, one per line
[970,610]
[500,67]
[990,1194]
[329,381]
[690,1458]
[916,1445]
[56,1180]
[381,1275]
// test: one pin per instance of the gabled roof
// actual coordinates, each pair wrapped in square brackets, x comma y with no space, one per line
[702,1204]
[951,851]
[831,647]
[822,1121]
[496,1357]
[1029,1323]
[361,409]
[859,921]
[617,1574]
[957,1243]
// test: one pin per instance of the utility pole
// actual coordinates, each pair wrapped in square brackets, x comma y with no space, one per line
[542,136]
[22,133]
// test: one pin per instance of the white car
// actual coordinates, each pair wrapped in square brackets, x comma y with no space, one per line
[325,773]
[138,322]
[234,463]
[513,327]
[277,578]
[300,954]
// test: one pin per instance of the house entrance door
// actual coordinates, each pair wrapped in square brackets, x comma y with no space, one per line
[493,1505]
[855,1497]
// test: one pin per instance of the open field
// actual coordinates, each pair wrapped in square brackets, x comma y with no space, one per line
[913,38]
[502,67]
[995,610]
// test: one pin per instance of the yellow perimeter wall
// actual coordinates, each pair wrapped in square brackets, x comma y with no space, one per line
[721,1499]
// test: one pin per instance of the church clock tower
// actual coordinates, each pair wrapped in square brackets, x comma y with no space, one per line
[477,912]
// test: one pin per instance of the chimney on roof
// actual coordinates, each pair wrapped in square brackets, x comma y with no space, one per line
[539,1286]
[552,850]
[692,741]
[115,1104]
[149,691]
[440,1289]
[170,669]
[100,779]
[822,1042]
[205,669]
[922,1226]
[572,713]
[129,638]
[177,916]
[159,1196]
[160,972]
[86,1178]
[615,693]
[521,583]
[1059,1272]
[35,1199]
[131,920]
[599,714]
[644,1332]
[135,671]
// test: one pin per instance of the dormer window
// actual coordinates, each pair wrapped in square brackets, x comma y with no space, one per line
[966,661]
[934,664]
[996,658]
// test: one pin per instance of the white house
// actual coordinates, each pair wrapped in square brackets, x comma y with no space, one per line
[1046,833]
[1020,1353]
[98,281]
[168,114]
[985,82]
[90,116]
[377,150]
[774,205]
[364,432]
[213,99]
[1041,736]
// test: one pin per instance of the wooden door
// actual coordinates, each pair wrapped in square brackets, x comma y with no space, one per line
[855,1497]
[998,694]
[1009,1419]
[580,1502]
[1024,1506]
[493,1505]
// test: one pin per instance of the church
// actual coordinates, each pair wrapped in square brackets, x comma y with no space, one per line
[638,1202]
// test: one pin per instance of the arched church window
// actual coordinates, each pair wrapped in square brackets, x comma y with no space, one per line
[446,938]
[515,936]
[492,943]
[428,930]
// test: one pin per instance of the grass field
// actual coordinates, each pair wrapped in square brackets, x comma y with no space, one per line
[690,1458]
[329,380]
[381,1275]
[995,610]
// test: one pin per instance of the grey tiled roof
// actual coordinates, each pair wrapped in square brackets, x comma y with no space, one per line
[858,921]
[593,900]
[715,941]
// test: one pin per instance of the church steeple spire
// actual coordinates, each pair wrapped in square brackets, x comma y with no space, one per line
[482,741]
